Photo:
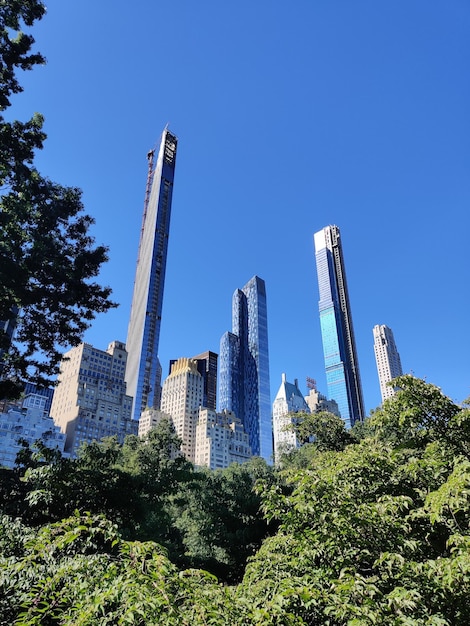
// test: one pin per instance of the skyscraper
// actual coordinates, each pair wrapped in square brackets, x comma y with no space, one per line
[244,367]
[143,374]
[207,367]
[339,348]
[90,401]
[182,396]
[387,359]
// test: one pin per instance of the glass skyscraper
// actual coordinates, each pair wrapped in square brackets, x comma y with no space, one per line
[339,347]
[143,374]
[244,367]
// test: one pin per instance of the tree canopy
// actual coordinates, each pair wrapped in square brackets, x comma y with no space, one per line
[48,259]
[376,532]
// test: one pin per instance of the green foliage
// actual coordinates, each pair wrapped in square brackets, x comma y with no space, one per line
[375,533]
[80,572]
[325,429]
[48,259]
[219,518]
[418,414]
[15,51]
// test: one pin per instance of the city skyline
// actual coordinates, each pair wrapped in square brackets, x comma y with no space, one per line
[351,114]
[337,330]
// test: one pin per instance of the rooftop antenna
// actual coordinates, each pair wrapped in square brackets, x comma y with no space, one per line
[311,383]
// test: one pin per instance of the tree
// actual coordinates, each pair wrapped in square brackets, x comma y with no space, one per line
[48,259]
[326,430]
[81,572]
[220,520]
[377,533]
[417,414]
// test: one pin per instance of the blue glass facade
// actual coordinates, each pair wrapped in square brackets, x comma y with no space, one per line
[339,349]
[244,367]
[143,374]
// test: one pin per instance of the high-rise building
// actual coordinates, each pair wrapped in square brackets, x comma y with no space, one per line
[143,375]
[220,440]
[90,400]
[289,400]
[244,367]
[182,395]
[387,359]
[150,419]
[27,423]
[207,367]
[339,347]
[32,397]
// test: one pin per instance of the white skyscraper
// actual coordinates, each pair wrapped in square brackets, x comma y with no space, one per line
[387,359]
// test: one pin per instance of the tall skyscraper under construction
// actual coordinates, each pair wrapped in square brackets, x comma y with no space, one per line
[143,374]
[387,359]
[339,347]
[244,367]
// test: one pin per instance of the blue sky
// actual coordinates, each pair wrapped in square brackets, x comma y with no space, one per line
[290,117]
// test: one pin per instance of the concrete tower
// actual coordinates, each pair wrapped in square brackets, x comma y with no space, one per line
[207,367]
[339,347]
[387,359]
[182,395]
[244,367]
[143,374]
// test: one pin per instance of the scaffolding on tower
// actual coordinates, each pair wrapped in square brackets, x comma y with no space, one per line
[148,189]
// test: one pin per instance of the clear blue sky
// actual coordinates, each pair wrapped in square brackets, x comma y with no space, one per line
[290,117]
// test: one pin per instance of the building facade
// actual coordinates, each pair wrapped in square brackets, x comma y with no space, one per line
[339,347]
[90,401]
[244,385]
[207,367]
[387,359]
[220,440]
[182,395]
[288,401]
[150,419]
[28,422]
[317,402]
[143,374]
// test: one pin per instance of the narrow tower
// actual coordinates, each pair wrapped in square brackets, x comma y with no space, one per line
[387,359]
[339,347]
[244,367]
[143,374]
